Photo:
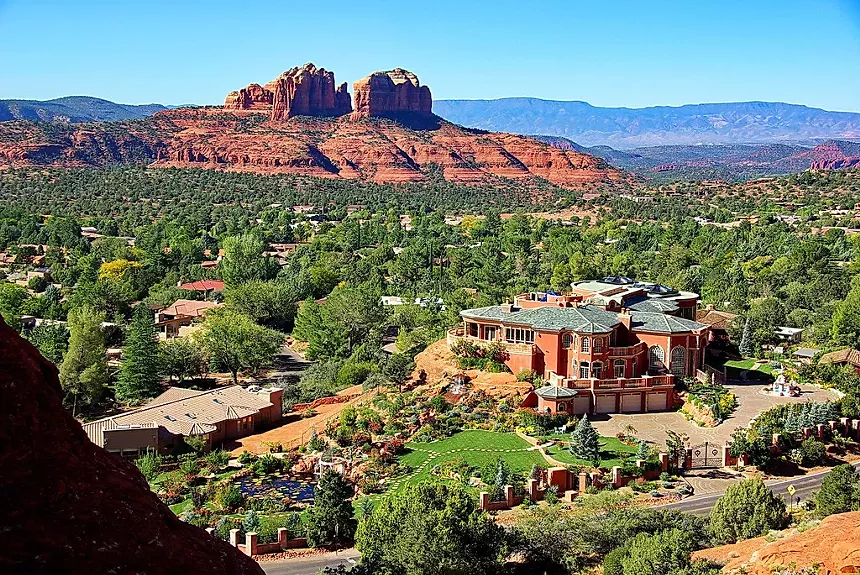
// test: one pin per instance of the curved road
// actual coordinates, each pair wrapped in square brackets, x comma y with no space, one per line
[805,486]
[311,564]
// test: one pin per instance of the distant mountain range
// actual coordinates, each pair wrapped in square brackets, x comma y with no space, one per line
[75,109]
[733,162]
[622,128]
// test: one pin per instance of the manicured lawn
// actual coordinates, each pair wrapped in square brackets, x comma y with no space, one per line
[610,448]
[740,363]
[476,447]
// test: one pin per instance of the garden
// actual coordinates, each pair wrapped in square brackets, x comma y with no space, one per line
[707,405]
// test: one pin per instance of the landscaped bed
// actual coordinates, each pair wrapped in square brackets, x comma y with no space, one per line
[612,451]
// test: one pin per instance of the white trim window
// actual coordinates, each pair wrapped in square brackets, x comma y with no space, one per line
[584,370]
[566,340]
[618,368]
[586,344]
[596,370]
[656,357]
[519,335]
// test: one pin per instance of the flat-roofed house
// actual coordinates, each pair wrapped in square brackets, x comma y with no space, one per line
[612,346]
[218,415]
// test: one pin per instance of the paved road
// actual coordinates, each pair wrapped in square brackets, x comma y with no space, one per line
[310,565]
[805,487]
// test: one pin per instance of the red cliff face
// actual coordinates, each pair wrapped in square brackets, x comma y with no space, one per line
[389,94]
[300,91]
[68,506]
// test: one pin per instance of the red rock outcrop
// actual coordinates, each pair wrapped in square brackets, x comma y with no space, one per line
[67,505]
[834,545]
[391,94]
[254,97]
[300,91]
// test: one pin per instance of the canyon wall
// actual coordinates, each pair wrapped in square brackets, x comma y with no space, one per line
[391,94]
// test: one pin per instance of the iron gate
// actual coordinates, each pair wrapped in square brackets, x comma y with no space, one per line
[706,455]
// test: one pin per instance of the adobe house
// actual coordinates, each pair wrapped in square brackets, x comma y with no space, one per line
[842,358]
[219,415]
[608,346]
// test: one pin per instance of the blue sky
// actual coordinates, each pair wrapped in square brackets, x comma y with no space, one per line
[613,53]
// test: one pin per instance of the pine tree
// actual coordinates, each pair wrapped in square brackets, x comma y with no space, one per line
[585,441]
[642,451]
[831,410]
[139,373]
[746,346]
[83,374]
[806,416]
[792,424]
[251,522]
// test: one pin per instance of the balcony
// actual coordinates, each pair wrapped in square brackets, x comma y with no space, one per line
[458,334]
[629,350]
[646,381]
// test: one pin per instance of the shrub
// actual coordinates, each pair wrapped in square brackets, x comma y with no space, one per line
[229,498]
[812,452]
[748,509]
[551,495]
[197,443]
[217,459]
[251,522]
[246,457]
[188,464]
[149,463]
[840,491]
[266,465]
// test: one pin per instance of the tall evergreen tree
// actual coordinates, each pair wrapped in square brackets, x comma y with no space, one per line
[83,374]
[140,371]
[585,441]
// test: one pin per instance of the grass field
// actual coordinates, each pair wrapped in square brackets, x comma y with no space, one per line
[610,448]
[476,447]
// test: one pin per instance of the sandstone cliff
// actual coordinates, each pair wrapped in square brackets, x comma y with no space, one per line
[391,94]
[300,91]
[834,545]
[71,507]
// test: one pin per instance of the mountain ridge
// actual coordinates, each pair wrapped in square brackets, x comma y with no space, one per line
[754,122]
[75,109]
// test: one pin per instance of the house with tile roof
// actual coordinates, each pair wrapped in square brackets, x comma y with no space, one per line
[179,314]
[842,357]
[610,346]
[219,415]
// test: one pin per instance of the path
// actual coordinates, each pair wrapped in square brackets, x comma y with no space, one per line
[805,487]
[311,564]
[297,430]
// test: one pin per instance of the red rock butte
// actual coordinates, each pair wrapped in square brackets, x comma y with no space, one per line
[390,94]
[300,91]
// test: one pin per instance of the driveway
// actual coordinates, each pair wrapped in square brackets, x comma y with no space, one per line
[751,402]
[311,564]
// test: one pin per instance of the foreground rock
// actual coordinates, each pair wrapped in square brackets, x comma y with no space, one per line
[834,545]
[391,94]
[71,507]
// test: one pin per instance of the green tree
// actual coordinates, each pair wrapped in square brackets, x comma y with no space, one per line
[331,519]
[664,553]
[585,441]
[244,260]
[748,509]
[148,464]
[83,374]
[234,342]
[12,300]
[181,358]
[251,522]
[272,303]
[52,339]
[324,339]
[432,529]
[746,348]
[840,491]
[139,374]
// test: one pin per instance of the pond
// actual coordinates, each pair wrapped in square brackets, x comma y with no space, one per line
[295,487]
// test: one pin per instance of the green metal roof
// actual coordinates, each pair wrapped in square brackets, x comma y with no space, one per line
[555,392]
[662,323]
[583,319]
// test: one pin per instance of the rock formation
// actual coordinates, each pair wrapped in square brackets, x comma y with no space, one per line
[390,95]
[834,545]
[300,91]
[67,505]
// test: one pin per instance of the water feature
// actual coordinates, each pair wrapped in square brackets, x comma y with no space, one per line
[295,487]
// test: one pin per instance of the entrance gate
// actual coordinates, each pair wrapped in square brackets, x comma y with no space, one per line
[706,455]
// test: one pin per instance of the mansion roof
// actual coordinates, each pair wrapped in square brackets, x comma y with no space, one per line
[584,319]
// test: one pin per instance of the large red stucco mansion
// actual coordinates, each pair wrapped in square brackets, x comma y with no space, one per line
[609,346]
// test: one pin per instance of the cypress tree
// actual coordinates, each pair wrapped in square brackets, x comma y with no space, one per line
[139,373]
[746,345]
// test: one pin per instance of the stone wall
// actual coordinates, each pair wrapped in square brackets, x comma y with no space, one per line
[252,547]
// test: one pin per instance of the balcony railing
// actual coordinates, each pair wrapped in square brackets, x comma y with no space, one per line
[458,334]
[628,351]
[624,383]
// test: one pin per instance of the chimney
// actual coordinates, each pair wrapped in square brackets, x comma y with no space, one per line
[624,317]
[507,307]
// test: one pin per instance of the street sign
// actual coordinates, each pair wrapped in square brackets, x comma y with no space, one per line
[791,490]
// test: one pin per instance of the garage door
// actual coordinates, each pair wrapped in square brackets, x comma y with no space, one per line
[581,405]
[631,403]
[605,404]
[657,401]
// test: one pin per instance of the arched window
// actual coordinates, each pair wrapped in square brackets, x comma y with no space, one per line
[561,407]
[583,370]
[679,361]
[596,370]
[598,345]
[566,340]
[586,344]
[619,368]
[656,358]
